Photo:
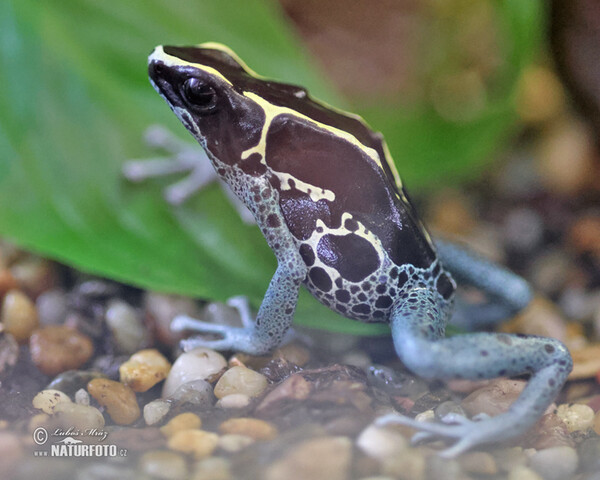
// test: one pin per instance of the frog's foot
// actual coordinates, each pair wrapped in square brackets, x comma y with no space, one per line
[232,338]
[469,433]
[181,158]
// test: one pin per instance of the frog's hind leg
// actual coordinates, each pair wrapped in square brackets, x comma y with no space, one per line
[506,292]
[417,326]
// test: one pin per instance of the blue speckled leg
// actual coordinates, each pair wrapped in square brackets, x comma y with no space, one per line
[507,293]
[276,311]
[418,333]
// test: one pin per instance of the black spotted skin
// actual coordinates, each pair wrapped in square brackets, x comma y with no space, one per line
[352,222]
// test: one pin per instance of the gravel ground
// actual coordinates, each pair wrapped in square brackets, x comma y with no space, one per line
[93,361]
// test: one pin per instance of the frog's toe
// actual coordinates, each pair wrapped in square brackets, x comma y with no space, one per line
[183,322]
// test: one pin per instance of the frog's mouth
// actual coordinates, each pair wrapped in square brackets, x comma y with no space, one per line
[163,80]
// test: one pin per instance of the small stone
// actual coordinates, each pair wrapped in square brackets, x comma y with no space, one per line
[82,397]
[198,443]
[549,431]
[478,463]
[438,467]
[56,348]
[144,370]
[380,442]
[235,400]
[410,465]
[198,393]
[293,353]
[541,96]
[577,417]
[251,427]
[163,465]
[106,471]
[81,417]
[426,416]
[183,421]
[521,472]
[9,352]
[493,399]
[46,400]
[52,307]
[597,423]
[508,458]
[71,381]
[240,380]
[234,442]
[18,315]
[293,388]
[11,453]
[34,274]
[126,326]
[540,317]
[156,410]
[448,407]
[7,281]
[214,468]
[589,455]
[556,463]
[118,399]
[586,362]
[323,457]
[160,311]
[138,439]
[197,364]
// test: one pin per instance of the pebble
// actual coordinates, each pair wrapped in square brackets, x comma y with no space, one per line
[81,417]
[251,427]
[523,230]
[118,399]
[540,317]
[324,457]
[381,443]
[556,463]
[106,471]
[541,96]
[234,400]
[82,397]
[18,315]
[164,465]
[214,468]
[46,400]
[183,421]
[199,443]
[71,381]
[52,307]
[9,352]
[450,212]
[56,348]
[596,425]
[586,362]
[565,157]
[144,370]
[293,388]
[494,398]
[521,472]
[448,407]
[161,309]
[549,431]
[197,392]
[240,380]
[293,353]
[438,467]
[410,465]
[7,281]
[156,410]
[11,452]
[478,463]
[34,274]
[234,442]
[589,455]
[548,272]
[577,417]
[127,328]
[197,364]
[508,458]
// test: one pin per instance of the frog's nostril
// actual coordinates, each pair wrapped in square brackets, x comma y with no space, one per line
[156,69]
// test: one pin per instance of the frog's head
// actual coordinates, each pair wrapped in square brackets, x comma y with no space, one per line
[204,86]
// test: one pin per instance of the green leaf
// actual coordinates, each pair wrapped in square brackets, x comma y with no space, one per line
[75,103]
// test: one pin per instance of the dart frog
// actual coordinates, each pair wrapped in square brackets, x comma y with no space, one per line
[324,191]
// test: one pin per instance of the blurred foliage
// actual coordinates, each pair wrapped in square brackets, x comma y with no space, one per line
[75,102]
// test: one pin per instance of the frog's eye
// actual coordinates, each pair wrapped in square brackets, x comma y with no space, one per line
[201,96]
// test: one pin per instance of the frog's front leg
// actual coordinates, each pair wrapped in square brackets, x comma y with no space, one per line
[417,330]
[276,311]
[507,293]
